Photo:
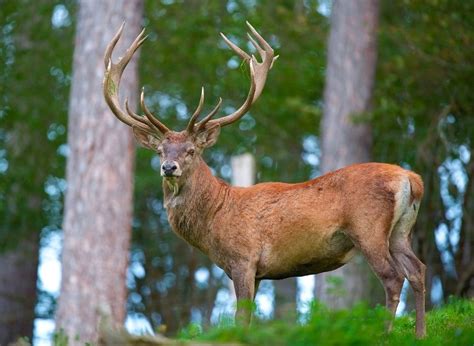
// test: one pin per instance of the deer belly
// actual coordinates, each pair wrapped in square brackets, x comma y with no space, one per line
[305,257]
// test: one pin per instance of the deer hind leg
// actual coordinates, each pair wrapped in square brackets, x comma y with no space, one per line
[384,266]
[375,249]
[392,281]
[411,267]
[414,271]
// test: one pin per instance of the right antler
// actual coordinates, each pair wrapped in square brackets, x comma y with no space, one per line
[113,73]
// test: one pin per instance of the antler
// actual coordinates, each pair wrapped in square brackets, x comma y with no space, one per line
[113,74]
[258,77]
[148,122]
[190,128]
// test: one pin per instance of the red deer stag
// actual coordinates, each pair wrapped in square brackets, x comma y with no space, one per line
[278,230]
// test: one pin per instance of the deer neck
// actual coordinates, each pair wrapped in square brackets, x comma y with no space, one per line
[193,205]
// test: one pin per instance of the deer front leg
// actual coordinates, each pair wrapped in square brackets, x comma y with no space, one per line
[244,284]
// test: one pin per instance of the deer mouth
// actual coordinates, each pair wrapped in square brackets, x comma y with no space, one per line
[171,175]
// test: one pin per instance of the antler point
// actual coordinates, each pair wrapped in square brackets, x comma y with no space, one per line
[121,29]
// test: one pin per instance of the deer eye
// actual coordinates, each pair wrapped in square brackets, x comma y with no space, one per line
[159,151]
[191,152]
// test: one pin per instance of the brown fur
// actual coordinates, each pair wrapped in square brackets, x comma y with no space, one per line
[417,188]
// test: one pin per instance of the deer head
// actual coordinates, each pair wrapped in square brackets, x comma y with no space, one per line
[180,151]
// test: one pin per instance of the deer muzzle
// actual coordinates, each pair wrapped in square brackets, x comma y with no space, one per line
[170,169]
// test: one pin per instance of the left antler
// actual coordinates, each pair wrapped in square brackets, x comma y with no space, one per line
[258,77]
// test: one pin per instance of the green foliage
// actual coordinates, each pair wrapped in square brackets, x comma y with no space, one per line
[60,338]
[336,286]
[35,60]
[358,326]
[423,119]
[452,324]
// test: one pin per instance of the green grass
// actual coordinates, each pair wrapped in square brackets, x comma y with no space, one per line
[452,324]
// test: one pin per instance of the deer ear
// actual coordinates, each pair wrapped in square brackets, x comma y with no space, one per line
[208,137]
[145,138]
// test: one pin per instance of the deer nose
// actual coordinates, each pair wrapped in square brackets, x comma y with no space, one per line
[168,168]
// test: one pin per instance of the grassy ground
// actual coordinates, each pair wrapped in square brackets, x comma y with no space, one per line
[453,324]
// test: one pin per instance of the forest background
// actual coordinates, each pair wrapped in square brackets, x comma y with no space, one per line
[421,118]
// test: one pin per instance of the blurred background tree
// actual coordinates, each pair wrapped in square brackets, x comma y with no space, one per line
[421,119]
[346,137]
[98,203]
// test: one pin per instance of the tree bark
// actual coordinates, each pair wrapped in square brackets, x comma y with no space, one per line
[98,206]
[18,278]
[346,136]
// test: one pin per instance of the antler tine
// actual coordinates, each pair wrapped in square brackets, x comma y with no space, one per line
[200,125]
[197,112]
[239,113]
[139,118]
[267,55]
[236,48]
[258,73]
[163,129]
[260,39]
[111,83]
[134,115]
[256,45]
[111,46]
[267,48]
[123,62]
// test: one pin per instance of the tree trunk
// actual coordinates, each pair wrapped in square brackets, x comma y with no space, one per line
[285,299]
[346,137]
[18,290]
[464,260]
[98,206]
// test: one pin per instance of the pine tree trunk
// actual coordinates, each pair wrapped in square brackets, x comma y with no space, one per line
[285,299]
[98,206]
[18,277]
[346,137]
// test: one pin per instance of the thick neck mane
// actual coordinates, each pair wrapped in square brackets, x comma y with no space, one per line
[200,197]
